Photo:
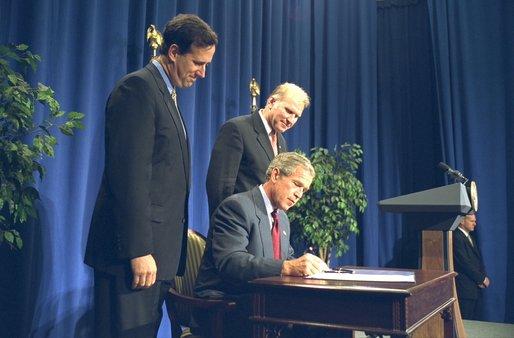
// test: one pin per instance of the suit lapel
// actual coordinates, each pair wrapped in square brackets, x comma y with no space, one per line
[474,247]
[263,223]
[282,147]
[175,116]
[262,136]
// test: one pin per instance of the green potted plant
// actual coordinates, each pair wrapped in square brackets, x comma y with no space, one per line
[23,142]
[327,214]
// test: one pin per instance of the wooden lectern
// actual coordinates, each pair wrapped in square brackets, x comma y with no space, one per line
[437,246]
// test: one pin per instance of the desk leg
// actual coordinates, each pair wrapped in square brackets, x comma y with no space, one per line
[258,331]
[448,322]
[266,331]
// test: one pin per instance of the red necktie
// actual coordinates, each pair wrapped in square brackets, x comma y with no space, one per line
[275,235]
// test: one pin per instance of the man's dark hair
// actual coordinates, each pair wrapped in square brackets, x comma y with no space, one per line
[185,30]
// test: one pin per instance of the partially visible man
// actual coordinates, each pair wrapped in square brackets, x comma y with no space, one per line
[137,238]
[249,238]
[468,264]
[246,144]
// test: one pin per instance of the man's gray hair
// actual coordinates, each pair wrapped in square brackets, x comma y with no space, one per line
[287,163]
[292,91]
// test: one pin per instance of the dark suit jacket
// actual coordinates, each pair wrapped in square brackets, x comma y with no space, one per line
[239,246]
[142,204]
[240,158]
[468,264]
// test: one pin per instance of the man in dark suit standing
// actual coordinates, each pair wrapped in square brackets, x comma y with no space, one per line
[249,238]
[468,264]
[137,238]
[246,144]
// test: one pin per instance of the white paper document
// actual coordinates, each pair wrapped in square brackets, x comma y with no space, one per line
[368,275]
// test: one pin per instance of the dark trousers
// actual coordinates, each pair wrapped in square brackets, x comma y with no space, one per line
[123,312]
[468,308]
[236,323]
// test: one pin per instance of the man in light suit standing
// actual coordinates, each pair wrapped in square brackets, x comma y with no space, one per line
[249,238]
[246,144]
[137,238]
[471,278]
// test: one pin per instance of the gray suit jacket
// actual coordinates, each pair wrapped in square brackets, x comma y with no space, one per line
[239,246]
[142,204]
[240,158]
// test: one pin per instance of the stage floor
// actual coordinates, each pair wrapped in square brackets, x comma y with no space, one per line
[477,329]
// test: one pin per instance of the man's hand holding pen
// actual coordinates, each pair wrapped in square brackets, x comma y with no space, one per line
[306,265]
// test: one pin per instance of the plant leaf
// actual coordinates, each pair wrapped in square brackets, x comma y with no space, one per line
[9,236]
[327,213]
[22,142]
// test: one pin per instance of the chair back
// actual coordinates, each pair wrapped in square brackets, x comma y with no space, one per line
[185,284]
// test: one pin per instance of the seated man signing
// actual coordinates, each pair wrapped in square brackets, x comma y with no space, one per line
[249,238]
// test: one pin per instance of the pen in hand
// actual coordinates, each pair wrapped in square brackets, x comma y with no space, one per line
[311,250]
[340,270]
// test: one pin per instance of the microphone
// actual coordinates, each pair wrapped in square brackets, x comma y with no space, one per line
[455,174]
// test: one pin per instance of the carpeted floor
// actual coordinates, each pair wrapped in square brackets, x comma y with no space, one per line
[476,329]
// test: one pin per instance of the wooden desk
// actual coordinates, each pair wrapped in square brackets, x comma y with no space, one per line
[396,309]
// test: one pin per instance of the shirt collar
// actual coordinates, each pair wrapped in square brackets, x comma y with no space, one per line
[163,74]
[464,231]
[265,122]
[267,204]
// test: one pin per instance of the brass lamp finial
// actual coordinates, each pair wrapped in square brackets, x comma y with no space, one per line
[154,38]
[255,91]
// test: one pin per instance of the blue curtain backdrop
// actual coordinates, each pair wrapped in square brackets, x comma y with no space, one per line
[414,82]
[474,69]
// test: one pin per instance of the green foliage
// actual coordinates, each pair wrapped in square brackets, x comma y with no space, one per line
[23,143]
[326,216]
